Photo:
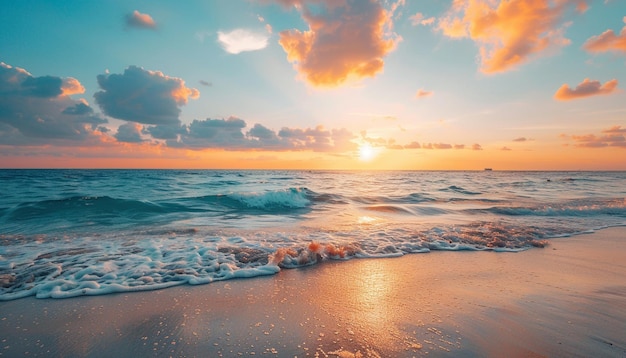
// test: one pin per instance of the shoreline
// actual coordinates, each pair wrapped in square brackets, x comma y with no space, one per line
[568,299]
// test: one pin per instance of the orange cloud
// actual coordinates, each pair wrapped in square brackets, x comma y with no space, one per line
[607,41]
[422,93]
[615,130]
[586,88]
[71,86]
[345,40]
[508,32]
[139,20]
[181,94]
[612,137]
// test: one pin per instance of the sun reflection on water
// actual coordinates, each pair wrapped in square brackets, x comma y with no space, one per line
[365,220]
[372,294]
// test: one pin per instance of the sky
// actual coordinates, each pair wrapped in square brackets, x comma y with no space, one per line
[314,84]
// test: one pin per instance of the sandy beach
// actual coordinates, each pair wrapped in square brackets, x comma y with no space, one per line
[566,300]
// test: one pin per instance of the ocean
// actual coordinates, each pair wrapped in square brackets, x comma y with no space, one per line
[67,233]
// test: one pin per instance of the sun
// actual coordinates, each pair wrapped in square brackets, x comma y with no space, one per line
[366,152]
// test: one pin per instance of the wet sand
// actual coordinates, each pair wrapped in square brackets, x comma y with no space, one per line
[566,300]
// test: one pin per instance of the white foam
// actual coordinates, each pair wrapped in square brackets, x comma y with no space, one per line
[58,268]
[286,198]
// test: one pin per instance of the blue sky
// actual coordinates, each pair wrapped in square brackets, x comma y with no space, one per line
[416,83]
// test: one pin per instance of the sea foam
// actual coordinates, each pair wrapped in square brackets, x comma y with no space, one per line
[282,198]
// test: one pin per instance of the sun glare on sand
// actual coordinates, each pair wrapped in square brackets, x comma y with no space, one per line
[366,152]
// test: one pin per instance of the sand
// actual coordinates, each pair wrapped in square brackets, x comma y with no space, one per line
[566,300]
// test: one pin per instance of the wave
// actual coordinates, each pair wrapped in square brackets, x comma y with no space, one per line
[460,190]
[84,205]
[392,209]
[159,259]
[270,202]
[275,199]
[613,207]
[412,198]
[87,207]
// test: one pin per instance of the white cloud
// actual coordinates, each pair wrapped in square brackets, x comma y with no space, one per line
[241,40]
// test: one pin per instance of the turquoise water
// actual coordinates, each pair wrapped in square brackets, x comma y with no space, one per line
[66,233]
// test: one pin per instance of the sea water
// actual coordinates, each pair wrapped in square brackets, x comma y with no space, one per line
[66,233]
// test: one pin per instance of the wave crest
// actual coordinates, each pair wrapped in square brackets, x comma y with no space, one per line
[581,208]
[276,199]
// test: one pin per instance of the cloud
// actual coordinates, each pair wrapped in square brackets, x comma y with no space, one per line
[318,139]
[213,133]
[615,130]
[506,149]
[586,88]
[230,134]
[71,86]
[391,144]
[142,96]
[508,33]
[345,40]
[422,93]
[418,19]
[268,27]
[436,146]
[39,109]
[140,21]
[205,83]
[387,143]
[129,133]
[520,139]
[164,131]
[266,136]
[242,40]
[45,86]
[80,108]
[17,81]
[607,41]
[613,137]
[441,146]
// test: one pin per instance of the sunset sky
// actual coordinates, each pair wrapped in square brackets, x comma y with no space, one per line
[314,84]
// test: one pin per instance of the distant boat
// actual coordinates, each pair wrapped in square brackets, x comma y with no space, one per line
[488,169]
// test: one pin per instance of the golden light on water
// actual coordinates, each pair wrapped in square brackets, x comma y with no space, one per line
[373,296]
[365,219]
